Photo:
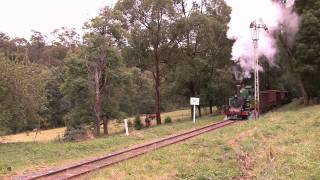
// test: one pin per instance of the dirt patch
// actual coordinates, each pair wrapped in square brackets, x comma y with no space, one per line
[245,160]
[241,137]
[3,140]
[247,164]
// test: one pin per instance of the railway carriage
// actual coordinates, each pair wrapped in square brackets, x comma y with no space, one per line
[241,105]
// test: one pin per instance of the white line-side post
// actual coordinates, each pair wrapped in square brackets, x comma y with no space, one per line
[126,126]
[194,102]
[194,113]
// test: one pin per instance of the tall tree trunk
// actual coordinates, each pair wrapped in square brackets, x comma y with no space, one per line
[193,94]
[97,104]
[210,104]
[303,90]
[105,125]
[157,88]
[199,110]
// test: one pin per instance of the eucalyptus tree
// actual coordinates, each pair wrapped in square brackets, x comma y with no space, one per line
[76,93]
[4,44]
[102,58]
[148,23]
[22,89]
[67,37]
[15,49]
[21,52]
[37,46]
[298,56]
[306,49]
[204,48]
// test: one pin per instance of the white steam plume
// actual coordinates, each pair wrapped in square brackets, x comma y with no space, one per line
[273,15]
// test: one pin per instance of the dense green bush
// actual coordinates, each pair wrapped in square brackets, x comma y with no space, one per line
[137,123]
[22,95]
[168,120]
[78,133]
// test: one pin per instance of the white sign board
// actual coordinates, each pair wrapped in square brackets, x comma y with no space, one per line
[195,101]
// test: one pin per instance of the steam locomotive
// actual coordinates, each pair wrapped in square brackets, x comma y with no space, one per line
[241,105]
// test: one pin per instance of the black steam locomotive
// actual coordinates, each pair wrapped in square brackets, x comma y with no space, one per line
[241,105]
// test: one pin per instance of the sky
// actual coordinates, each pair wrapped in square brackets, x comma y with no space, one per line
[19,17]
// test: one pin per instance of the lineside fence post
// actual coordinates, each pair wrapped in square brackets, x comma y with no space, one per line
[194,113]
[126,126]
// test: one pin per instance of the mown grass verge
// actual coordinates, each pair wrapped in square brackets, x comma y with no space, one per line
[30,156]
[283,144]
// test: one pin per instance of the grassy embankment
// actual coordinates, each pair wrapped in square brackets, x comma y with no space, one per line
[114,128]
[26,156]
[282,145]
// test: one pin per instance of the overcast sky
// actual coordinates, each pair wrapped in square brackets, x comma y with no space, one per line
[19,17]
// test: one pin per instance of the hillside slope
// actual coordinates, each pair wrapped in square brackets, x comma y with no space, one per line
[16,158]
[283,144]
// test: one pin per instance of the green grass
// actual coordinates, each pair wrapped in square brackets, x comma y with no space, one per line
[281,145]
[114,127]
[20,157]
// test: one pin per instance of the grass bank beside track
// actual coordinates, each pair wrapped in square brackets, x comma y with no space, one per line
[115,127]
[29,156]
[283,144]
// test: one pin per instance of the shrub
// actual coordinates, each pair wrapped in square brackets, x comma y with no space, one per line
[130,123]
[79,133]
[137,123]
[168,120]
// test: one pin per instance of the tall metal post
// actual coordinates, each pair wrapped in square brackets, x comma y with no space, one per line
[255,26]
[256,79]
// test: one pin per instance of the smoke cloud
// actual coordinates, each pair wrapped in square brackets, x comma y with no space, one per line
[273,14]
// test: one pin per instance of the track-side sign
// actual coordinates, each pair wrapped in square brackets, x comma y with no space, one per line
[195,101]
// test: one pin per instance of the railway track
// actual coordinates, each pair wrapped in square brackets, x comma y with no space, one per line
[84,167]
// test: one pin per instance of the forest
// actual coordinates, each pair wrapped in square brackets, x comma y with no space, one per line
[142,57]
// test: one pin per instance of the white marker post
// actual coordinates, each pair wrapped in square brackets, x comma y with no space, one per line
[126,126]
[194,102]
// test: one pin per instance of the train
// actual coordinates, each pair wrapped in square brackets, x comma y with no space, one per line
[241,106]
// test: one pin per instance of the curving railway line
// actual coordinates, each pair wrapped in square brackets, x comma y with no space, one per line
[87,166]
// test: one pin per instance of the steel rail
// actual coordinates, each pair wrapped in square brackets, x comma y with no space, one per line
[90,165]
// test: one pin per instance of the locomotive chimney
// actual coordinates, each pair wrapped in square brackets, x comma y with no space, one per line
[238,90]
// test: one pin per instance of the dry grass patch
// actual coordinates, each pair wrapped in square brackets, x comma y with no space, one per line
[115,127]
[41,136]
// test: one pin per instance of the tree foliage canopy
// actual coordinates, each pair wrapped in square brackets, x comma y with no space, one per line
[140,57]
